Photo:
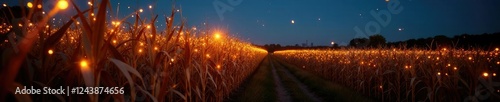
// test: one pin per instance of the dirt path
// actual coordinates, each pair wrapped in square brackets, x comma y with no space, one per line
[296,81]
[279,81]
[282,94]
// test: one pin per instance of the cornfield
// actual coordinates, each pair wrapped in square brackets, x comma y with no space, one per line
[176,64]
[406,74]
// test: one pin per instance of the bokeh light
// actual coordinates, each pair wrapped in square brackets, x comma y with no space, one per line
[30,5]
[62,4]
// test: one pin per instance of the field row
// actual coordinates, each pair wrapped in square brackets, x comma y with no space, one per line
[406,75]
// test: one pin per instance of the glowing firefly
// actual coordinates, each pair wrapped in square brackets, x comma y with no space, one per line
[50,52]
[62,4]
[30,5]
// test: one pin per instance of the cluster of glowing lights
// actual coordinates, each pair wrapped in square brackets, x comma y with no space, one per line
[5,28]
[407,67]
[369,58]
[115,23]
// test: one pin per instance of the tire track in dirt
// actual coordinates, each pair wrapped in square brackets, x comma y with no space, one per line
[282,94]
[301,85]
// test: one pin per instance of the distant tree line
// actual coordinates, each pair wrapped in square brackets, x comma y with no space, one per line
[374,41]
[464,41]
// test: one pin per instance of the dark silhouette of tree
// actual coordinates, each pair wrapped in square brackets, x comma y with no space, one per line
[359,42]
[441,41]
[376,40]
[464,41]
[272,47]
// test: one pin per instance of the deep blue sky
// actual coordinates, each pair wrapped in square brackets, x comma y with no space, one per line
[323,21]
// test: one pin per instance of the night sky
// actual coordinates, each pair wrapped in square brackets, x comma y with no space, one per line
[320,21]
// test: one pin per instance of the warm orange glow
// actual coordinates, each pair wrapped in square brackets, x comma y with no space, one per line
[30,5]
[39,6]
[89,3]
[470,58]
[439,73]
[454,68]
[50,52]
[115,23]
[114,41]
[156,48]
[140,50]
[218,67]
[4,5]
[84,64]
[62,4]
[140,10]
[485,74]
[496,49]
[406,67]
[494,74]
[217,35]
